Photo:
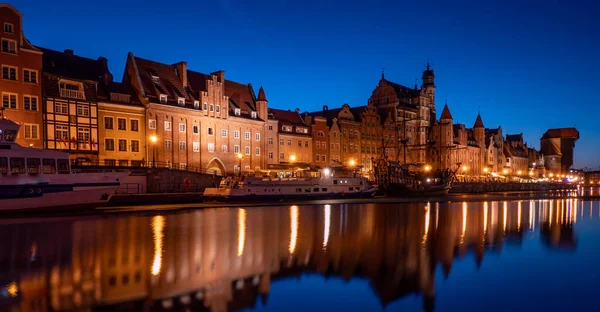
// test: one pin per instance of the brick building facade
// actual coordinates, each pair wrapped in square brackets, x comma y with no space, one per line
[20,83]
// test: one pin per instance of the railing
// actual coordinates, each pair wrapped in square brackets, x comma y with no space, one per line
[136,166]
[176,188]
[75,94]
[131,188]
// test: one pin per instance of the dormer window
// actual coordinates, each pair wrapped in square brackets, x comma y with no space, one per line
[196,104]
[163,98]
[71,90]
[253,114]
[238,111]
[286,128]
[9,28]
[181,101]
[155,79]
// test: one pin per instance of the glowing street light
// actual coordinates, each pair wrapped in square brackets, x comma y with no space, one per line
[427,168]
[486,169]
[551,175]
[464,168]
[293,158]
[519,172]
[153,139]
[505,171]
[326,171]
[531,173]
[352,162]
[239,156]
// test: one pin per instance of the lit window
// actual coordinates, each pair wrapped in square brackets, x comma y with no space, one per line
[211,147]
[224,148]
[83,110]
[163,98]
[196,104]
[196,147]
[31,131]
[167,126]
[237,112]
[181,101]
[152,124]
[253,114]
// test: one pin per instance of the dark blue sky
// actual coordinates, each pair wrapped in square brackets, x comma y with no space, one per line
[529,66]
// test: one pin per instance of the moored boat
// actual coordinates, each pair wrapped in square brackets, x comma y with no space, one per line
[33,178]
[323,184]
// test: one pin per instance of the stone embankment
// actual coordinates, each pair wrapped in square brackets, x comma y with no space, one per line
[482,187]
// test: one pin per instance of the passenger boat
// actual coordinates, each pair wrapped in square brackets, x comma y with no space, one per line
[323,184]
[394,179]
[32,178]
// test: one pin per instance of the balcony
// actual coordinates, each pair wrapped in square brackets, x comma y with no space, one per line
[73,94]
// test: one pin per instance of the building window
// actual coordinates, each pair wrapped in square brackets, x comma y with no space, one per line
[196,147]
[83,135]
[318,158]
[71,90]
[168,145]
[299,143]
[224,133]
[257,136]
[61,108]
[289,142]
[181,101]
[108,123]
[253,115]
[181,127]
[167,126]
[212,107]
[257,151]
[135,146]
[320,133]
[152,124]
[31,131]
[9,28]
[62,133]
[30,103]
[281,142]
[211,147]
[9,46]
[121,123]
[122,145]
[9,72]
[195,129]
[281,156]
[83,110]
[29,75]
[286,128]
[237,111]
[196,104]
[271,141]
[323,158]
[305,143]
[224,148]
[247,150]
[270,155]
[182,145]
[236,149]
[211,131]
[270,127]
[218,108]
[205,106]
[135,125]
[236,134]
[163,98]
[109,144]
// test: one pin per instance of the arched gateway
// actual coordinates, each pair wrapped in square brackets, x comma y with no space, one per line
[216,166]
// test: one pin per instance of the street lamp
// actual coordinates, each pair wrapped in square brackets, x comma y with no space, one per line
[352,162]
[485,169]
[519,172]
[464,168]
[239,155]
[427,168]
[153,139]
[505,171]
[293,158]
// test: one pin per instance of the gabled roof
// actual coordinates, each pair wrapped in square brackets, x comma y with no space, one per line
[478,122]
[119,88]
[402,91]
[510,150]
[514,137]
[241,95]
[261,95]
[168,82]
[287,117]
[72,66]
[446,113]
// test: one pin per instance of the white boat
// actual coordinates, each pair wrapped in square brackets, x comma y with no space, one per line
[327,184]
[32,178]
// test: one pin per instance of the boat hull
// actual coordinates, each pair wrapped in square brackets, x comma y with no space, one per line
[400,190]
[287,197]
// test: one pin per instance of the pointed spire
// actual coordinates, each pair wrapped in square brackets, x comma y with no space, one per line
[446,112]
[416,83]
[261,95]
[383,73]
[478,122]
[428,66]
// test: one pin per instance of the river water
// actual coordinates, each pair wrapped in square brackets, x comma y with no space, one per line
[476,256]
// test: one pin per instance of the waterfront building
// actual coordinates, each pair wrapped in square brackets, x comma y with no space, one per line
[516,155]
[199,121]
[558,145]
[320,135]
[294,139]
[20,83]
[122,126]
[70,102]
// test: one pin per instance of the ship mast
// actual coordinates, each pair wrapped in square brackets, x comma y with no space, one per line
[404,140]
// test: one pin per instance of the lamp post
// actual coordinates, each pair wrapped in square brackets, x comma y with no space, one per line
[239,155]
[153,139]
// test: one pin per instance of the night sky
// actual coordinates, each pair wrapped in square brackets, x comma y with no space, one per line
[529,67]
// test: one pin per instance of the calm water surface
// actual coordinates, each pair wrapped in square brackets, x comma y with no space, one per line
[483,256]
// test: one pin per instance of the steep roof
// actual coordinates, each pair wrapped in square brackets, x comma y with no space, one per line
[168,82]
[478,122]
[241,95]
[72,66]
[287,117]
[261,95]
[510,150]
[514,137]
[446,113]
[402,91]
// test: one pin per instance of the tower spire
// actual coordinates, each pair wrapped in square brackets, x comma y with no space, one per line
[428,66]
[382,73]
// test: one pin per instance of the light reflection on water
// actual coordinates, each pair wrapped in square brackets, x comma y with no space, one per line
[263,258]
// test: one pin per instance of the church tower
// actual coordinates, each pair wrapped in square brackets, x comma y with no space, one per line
[428,89]
[479,131]
[446,138]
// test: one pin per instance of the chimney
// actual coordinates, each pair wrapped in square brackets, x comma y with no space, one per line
[297,110]
[220,75]
[107,77]
[325,107]
[68,52]
[181,69]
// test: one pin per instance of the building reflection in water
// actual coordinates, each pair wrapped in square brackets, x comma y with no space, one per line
[225,259]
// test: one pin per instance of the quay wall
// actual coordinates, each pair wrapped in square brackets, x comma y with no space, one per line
[488,187]
[164,180]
